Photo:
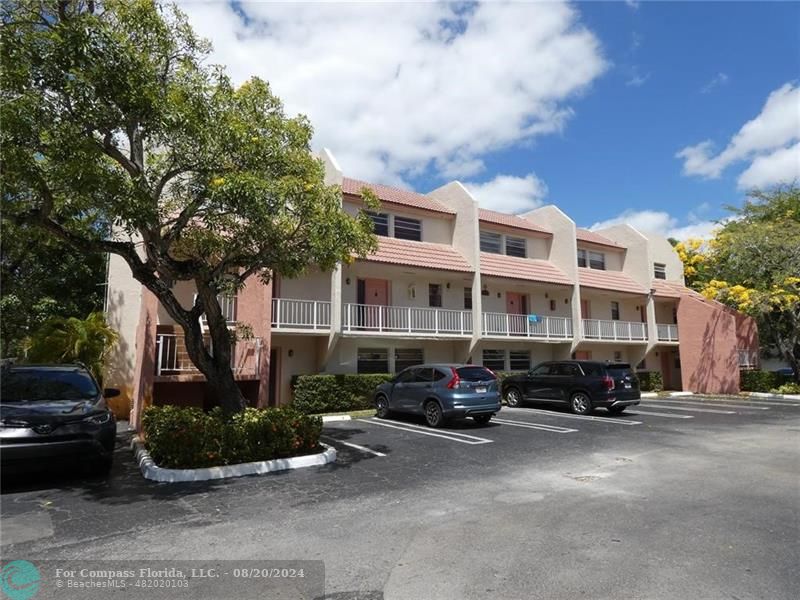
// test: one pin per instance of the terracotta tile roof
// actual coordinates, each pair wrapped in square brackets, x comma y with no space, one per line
[609,280]
[515,221]
[590,237]
[513,267]
[396,196]
[419,254]
[673,289]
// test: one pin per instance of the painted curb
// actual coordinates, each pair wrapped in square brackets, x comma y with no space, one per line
[331,418]
[678,394]
[648,395]
[155,473]
[777,396]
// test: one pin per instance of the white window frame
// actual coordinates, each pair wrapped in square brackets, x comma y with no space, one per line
[659,271]
[489,238]
[408,224]
[521,244]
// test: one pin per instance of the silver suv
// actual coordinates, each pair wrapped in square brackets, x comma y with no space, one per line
[440,392]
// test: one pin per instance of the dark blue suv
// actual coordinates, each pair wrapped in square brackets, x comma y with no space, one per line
[440,392]
[583,385]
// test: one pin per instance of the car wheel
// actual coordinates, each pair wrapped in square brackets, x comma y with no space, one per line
[513,397]
[580,403]
[382,407]
[482,419]
[433,413]
[616,410]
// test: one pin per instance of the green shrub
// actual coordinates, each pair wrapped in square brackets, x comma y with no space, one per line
[501,375]
[315,394]
[787,388]
[650,381]
[760,381]
[186,438]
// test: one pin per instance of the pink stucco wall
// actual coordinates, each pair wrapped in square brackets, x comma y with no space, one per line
[255,308]
[708,347]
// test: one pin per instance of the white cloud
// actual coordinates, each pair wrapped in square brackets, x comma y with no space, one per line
[397,89]
[637,80]
[718,80]
[662,223]
[764,141]
[783,165]
[510,194]
[634,4]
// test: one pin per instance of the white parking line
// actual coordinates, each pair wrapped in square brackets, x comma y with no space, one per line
[711,404]
[351,445]
[450,435]
[659,414]
[759,402]
[691,409]
[551,413]
[541,426]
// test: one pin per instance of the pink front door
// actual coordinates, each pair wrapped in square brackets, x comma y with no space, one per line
[585,312]
[376,294]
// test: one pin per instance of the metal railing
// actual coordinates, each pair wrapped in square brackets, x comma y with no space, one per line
[509,325]
[748,359]
[172,357]
[228,306]
[406,319]
[300,314]
[667,333]
[594,329]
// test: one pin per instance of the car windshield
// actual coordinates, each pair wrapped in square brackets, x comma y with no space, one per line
[45,385]
[474,373]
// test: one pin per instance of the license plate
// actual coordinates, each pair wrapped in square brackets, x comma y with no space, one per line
[627,386]
[481,390]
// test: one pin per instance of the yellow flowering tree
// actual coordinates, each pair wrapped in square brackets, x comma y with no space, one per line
[755,263]
[693,255]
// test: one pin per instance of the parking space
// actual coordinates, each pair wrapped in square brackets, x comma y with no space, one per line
[535,426]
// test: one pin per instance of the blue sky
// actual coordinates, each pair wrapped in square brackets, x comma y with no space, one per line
[585,105]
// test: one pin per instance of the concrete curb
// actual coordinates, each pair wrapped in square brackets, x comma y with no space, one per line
[331,418]
[649,395]
[155,473]
[670,394]
[775,396]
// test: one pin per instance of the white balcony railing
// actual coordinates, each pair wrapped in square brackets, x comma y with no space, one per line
[173,359]
[508,325]
[228,306]
[406,319]
[748,359]
[300,314]
[667,333]
[594,329]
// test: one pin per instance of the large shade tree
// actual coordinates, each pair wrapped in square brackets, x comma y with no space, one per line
[753,265]
[112,115]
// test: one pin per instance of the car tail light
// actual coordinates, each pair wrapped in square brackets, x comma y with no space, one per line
[455,381]
[608,382]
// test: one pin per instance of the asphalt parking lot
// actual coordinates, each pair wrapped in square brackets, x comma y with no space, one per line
[682,498]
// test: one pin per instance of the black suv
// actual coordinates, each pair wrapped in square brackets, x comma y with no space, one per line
[582,384]
[54,412]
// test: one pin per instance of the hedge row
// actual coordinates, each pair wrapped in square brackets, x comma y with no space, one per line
[188,438]
[761,381]
[315,394]
[650,381]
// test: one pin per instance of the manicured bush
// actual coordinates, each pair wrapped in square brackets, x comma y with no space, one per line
[650,381]
[186,438]
[760,381]
[501,375]
[315,394]
[787,388]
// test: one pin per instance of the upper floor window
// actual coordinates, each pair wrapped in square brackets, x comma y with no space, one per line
[434,294]
[491,242]
[516,246]
[467,298]
[408,229]
[380,223]
[581,257]
[597,260]
[591,259]
[659,270]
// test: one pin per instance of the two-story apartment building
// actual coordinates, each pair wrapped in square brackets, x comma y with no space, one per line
[449,282]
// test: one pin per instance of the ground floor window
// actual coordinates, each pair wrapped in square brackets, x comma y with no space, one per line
[407,357]
[494,359]
[373,360]
[520,360]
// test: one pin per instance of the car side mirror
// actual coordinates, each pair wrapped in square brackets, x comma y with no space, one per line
[111,393]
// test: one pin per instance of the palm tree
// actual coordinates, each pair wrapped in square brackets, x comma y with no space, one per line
[69,339]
